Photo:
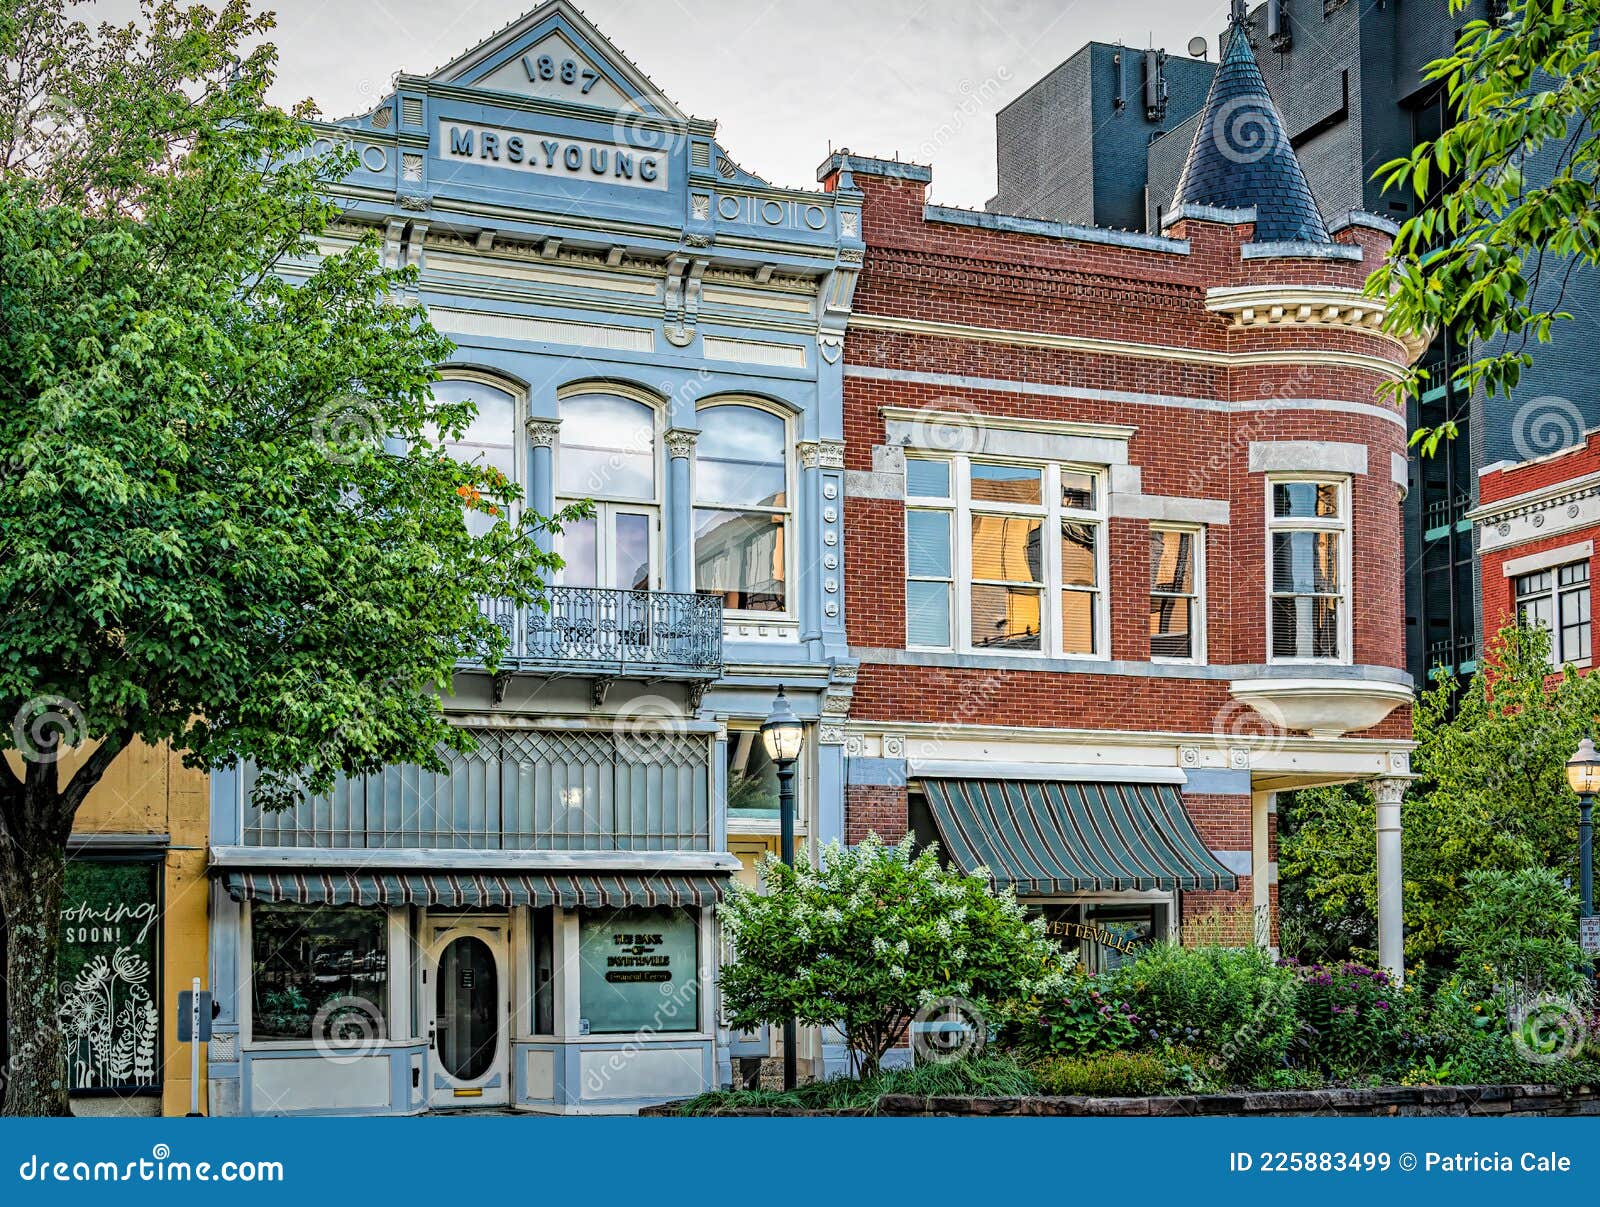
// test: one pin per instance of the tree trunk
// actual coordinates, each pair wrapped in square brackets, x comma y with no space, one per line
[30,889]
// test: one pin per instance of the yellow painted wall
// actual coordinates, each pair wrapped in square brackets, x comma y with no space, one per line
[148,790]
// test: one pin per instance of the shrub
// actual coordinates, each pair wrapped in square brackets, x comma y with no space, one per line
[1517,935]
[1355,1019]
[1236,1005]
[871,937]
[1111,1074]
[988,1076]
[1088,1016]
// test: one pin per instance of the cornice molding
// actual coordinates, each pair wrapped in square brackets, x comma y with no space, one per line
[1258,306]
[1108,347]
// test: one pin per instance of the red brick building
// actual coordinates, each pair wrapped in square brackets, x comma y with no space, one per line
[1122,535]
[1537,524]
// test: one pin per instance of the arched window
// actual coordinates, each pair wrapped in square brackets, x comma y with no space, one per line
[741,516]
[608,454]
[490,439]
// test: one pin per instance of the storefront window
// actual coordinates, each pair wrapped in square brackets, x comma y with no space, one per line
[318,972]
[110,985]
[1105,936]
[639,971]
[752,778]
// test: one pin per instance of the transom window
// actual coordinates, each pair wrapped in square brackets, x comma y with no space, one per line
[1557,600]
[1177,586]
[983,571]
[741,514]
[1308,529]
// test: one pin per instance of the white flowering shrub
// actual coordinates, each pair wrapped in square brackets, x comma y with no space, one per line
[872,937]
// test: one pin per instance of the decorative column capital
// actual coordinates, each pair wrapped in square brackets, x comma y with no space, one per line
[820,454]
[542,433]
[1391,790]
[680,442]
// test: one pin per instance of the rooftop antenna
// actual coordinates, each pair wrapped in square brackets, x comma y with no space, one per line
[1197,47]
[1238,16]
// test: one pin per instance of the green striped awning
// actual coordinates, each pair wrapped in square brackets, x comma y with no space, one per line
[1043,837]
[473,890]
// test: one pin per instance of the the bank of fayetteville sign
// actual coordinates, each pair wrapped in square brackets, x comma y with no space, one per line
[549,155]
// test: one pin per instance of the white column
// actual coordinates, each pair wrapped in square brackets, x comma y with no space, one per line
[1391,893]
[1262,807]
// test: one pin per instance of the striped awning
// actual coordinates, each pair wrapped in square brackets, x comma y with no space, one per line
[1044,837]
[474,890]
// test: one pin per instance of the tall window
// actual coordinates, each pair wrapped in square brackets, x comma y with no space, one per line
[1308,528]
[741,515]
[1177,607]
[985,526]
[1558,601]
[489,440]
[608,454]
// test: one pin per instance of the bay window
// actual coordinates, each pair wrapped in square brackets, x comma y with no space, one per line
[983,574]
[1177,585]
[741,514]
[1557,600]
[1308,533]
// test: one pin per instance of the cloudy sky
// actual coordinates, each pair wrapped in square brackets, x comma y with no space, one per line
[785,79]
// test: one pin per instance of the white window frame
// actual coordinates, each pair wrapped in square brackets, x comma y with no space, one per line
[1051,513]
[1340,524]
[790,483]
[946,505]
[1197,598]
[1554,593]
[608,505]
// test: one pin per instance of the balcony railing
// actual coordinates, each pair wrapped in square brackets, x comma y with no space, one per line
[612,631]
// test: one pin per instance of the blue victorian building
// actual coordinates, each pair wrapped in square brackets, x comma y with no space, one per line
[642,323]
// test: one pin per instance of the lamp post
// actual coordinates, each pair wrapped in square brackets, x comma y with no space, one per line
[1583,777]
[782,734]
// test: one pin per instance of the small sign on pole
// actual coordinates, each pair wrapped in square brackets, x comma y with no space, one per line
[194,1029]
[1589,933]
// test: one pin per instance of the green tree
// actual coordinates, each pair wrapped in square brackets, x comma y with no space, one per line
[227,519]
[871,937]
[1492,794]
[1512,207]
[1517,935]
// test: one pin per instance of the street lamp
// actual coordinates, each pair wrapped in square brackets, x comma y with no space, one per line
[1583,777]
[783,734]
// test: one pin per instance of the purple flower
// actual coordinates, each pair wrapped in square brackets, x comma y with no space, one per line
[1383,1005]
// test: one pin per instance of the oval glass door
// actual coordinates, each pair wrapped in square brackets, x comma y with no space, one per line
[467,1026]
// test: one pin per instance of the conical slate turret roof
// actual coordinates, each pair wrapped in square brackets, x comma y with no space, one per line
[1241,155]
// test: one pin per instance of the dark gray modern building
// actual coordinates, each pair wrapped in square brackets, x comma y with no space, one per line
[1348,78]
[1074,147]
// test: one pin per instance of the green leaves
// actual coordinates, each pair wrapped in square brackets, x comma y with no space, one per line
[871,937]
[204,537]
[1492,795]
[1509,190]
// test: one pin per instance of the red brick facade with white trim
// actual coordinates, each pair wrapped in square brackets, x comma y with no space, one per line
[921,268]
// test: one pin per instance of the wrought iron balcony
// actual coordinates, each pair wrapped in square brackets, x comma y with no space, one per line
[604,631]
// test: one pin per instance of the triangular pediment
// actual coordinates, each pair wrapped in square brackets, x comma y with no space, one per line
[556,53]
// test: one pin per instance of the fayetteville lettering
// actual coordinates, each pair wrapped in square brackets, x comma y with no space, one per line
[606,162]
[637,962]
[1125,944]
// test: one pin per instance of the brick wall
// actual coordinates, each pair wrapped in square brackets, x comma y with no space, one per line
[874,809]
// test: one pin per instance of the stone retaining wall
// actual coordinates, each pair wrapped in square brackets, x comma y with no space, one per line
[1388,1100]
